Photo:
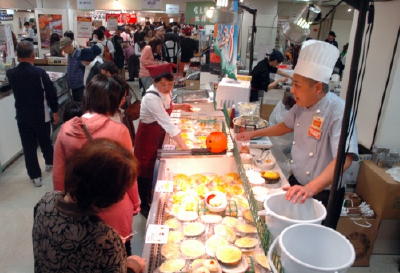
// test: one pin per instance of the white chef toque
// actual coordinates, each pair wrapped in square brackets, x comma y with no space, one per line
[317,60]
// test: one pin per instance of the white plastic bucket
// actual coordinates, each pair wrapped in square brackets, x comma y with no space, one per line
[311,248]
[280,213]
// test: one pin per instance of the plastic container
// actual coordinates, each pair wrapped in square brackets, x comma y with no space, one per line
[312,248]
[280,213]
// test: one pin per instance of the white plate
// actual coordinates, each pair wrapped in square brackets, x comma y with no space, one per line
[187,216]
[255,177]
[259,190]
[211,219]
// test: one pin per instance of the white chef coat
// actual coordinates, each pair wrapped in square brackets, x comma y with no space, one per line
[310,156]
[153,108]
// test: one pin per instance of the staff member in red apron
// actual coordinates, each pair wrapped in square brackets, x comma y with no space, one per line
[154,122]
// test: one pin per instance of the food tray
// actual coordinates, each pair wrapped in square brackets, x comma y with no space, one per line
[199,169]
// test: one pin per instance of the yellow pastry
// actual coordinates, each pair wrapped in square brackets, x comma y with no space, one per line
[226,232]
[205,265]
[271,177]
[172,265]
[246,242]
[229,255]
[246,228]
[201,269]
[248,216]
[230,221]
[175,236]
[192,249]
[262,260]
[171,251]
[214,242]
[193,229]
[173,223]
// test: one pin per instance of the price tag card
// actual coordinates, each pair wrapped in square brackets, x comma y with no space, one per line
[168,147]
[157,234]
[164,186]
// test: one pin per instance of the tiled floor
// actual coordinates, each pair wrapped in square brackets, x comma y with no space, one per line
[18,196]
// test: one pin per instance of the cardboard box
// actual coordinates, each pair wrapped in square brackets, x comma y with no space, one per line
[379,190]
[388,239]
[192,84]
[266,110]
[362,234]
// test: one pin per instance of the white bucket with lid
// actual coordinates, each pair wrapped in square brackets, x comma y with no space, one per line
[280,213]
[312,248]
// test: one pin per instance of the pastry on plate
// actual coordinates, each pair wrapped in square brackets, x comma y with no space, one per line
[187,216]
[201,269]
[206,265]
[213,243]
[271,177]
[246,242]
[246,228]
[172,265]
[193,229]
[173,223]
[171,251]
[248,216]
[262,260]
[230,221]
[211,218]
[226,232]
[175,236]
[192,249]
[229,255]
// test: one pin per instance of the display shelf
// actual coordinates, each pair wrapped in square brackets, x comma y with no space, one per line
[262,228]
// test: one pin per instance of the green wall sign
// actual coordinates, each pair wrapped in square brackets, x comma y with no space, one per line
[196,13]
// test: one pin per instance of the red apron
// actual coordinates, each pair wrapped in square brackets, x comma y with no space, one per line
[149,138]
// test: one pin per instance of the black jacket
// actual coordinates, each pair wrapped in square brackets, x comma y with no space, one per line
[31,86]
[260,75]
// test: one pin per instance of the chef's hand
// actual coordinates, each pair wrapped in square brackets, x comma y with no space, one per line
[136,263]
[297,193]
[56,118]
[283,80]
[244,136]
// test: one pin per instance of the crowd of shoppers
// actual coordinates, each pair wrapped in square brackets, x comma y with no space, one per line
[100,204]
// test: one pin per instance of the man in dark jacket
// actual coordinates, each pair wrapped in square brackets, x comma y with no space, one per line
[75,69]
[34,93]
[260,81]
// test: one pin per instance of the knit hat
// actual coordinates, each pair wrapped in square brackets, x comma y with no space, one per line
[65,41]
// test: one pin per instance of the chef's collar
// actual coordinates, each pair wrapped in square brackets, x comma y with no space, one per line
[317,106]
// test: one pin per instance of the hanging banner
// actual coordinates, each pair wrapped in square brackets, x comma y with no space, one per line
[196,13]
[84,27]
[226,45]
[85,4]
[7,40]
[49,24]
[112,21]
[152,4]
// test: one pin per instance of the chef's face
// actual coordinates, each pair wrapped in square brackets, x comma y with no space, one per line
[306,91]
[164,86]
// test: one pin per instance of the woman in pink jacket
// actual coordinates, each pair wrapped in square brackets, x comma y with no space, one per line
[103,96]
[150,55]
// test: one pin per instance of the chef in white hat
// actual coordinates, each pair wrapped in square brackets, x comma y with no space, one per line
[316,121]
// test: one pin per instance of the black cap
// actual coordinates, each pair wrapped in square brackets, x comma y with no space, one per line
[276,55]
[332,33]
